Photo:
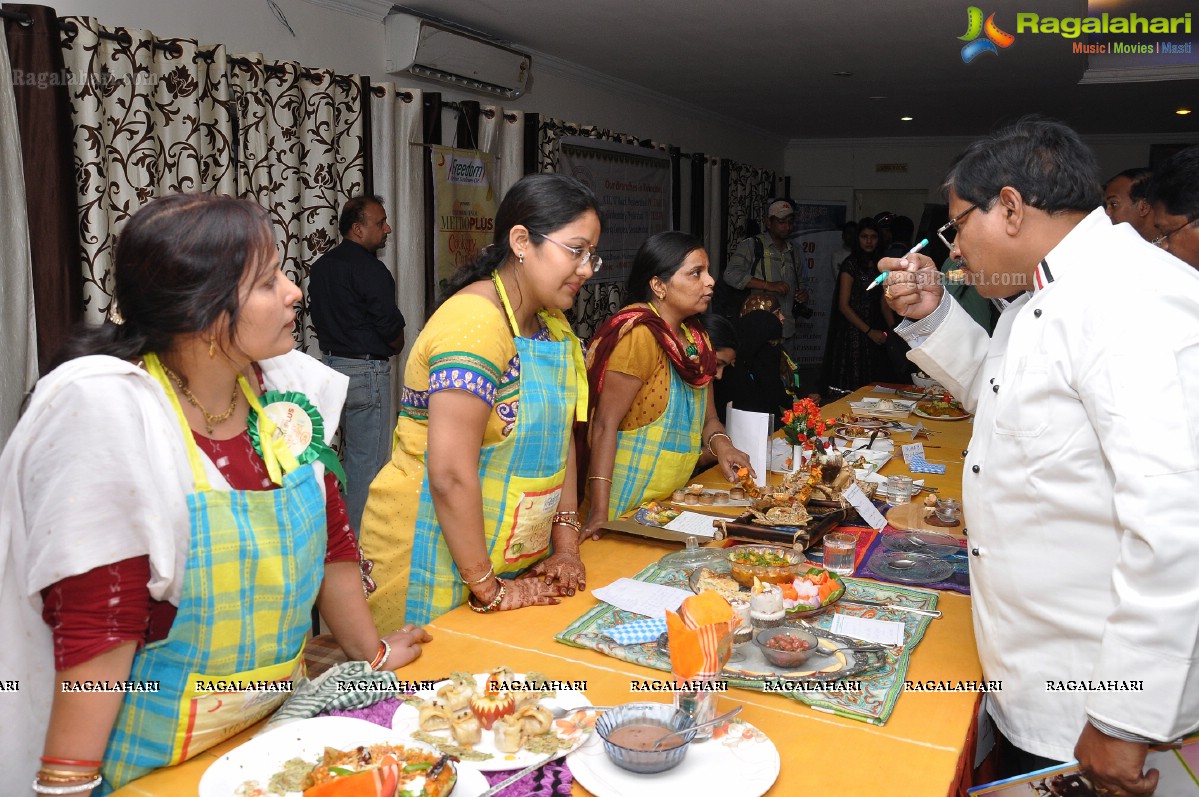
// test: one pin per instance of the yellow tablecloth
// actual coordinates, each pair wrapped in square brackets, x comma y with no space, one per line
[915,753]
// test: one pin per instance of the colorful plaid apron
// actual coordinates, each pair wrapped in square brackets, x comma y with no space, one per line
[254,566]
[521,477]
[654,460]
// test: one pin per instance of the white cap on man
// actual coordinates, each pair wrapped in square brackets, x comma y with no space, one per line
[780,209]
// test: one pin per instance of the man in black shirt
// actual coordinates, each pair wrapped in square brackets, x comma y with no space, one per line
[352,299]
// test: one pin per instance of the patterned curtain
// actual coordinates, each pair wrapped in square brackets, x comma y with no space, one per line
[749,188]
[596,301]
[151,117]
[502,134]
[300,154]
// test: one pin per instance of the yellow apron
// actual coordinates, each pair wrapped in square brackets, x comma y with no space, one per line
[254,566]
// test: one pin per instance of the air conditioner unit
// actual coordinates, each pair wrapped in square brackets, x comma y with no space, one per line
[435,52]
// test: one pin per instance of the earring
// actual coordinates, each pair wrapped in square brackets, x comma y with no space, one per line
[520,258]
[211,346]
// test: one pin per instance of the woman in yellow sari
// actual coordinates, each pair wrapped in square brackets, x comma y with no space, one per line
[650,367]
[481,485]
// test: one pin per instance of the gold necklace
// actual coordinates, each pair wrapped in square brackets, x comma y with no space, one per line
[210,420]
[692,350]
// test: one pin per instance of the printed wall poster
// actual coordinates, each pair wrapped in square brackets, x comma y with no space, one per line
[633,188]
[816,237]
[465,206]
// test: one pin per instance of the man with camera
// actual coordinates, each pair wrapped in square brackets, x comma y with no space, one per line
[766,265]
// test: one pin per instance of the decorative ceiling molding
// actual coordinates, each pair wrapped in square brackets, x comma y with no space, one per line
[374,10]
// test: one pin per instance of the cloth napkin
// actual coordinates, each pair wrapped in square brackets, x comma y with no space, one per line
[636,632]
[921,465]
[700,635]
[312,696]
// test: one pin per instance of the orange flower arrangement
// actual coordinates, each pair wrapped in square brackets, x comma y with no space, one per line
[802,425]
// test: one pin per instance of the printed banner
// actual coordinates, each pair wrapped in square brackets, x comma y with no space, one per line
[816,237]
[465,205]
[633,187]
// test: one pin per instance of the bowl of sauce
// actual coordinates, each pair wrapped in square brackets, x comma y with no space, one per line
[630,731]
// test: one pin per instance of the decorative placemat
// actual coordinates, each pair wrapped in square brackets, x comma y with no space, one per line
[958,582]
[865,539]
[880,688]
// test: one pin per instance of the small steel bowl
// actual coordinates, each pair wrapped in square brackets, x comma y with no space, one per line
[646,761]
[786,658]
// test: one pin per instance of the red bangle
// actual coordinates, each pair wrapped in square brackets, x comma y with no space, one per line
[70,762]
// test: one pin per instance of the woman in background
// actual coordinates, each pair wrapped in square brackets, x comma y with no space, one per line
[481,485]
[754,382]
[858,333]
[155,527]
[651,366]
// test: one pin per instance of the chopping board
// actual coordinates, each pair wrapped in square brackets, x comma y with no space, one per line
[910,517]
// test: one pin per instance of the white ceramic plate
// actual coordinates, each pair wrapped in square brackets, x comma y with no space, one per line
[407,722]
[873,460]
[263,756]
[741,762]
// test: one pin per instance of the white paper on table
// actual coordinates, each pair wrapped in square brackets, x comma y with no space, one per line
[881,389]
[884,632]
[866,508]
[911,450]
[640,597]
[781,453]
[693,523]
[917,429]
[750,432]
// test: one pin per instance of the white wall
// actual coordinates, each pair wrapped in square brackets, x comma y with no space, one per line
[830,169]
[354,44]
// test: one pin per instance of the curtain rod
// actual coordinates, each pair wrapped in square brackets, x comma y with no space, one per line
[173,49]
[17,16]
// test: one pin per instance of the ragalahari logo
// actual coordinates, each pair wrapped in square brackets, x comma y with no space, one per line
[975,27]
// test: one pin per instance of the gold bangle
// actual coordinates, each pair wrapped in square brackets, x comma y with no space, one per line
[65,776]
[491,607]
[601,478]
[713,436]
[490,572]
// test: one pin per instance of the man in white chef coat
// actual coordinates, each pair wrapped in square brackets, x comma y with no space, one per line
[1081,479]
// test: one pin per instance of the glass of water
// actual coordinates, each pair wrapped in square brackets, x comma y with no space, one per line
[839,548]
[899,490]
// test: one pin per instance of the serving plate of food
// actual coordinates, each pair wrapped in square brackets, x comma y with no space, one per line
[496,720]
[862,422]
[285,761]
[799,591]
[941,410]
[697,495]
[852,431]
[836,658]
[738,760]
[892,409]
[655,513]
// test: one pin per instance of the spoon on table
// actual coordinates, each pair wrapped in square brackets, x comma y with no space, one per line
[558,712]
[728,715]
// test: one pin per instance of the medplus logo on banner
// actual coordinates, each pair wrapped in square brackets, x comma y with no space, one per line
[993,39]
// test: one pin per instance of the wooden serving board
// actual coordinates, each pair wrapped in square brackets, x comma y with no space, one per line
[806,537]
[910,517]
